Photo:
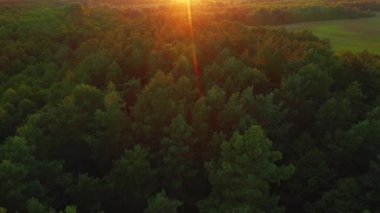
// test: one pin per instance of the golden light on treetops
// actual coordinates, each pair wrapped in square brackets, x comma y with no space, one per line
[194,54]
[188,4]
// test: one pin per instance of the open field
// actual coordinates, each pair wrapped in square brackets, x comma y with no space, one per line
[352,34]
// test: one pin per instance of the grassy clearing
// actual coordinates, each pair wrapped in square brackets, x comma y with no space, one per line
[354,34]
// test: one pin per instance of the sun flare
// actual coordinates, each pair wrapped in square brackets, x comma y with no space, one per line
[181,1]
[194,53]
[186,1]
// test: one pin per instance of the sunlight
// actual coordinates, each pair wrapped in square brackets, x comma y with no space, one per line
[194,53]
[186,1]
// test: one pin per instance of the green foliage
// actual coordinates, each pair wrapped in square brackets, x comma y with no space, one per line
[86,193]
[131,180]
[177,150]
[162,204]
[241,178]
[70,209]
[34,206]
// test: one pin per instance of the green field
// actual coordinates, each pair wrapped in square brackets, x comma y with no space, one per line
[354,34]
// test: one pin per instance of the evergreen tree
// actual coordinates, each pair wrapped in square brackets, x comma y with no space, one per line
[241,179]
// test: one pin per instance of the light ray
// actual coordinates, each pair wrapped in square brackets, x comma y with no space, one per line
[193,47]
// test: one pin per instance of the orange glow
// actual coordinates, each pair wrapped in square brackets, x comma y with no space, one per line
[194,53]
[187,1]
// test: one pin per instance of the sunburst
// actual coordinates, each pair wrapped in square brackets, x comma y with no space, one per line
[193,46]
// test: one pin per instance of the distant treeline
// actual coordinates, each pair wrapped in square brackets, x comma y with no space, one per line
[285,12]
[362,5]
[276,16]
[272,12]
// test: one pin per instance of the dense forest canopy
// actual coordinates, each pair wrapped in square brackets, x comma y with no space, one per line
[125,109]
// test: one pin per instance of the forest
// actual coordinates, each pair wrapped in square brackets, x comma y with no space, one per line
[185,108]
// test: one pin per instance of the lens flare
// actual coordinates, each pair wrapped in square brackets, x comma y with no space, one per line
[193,47]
